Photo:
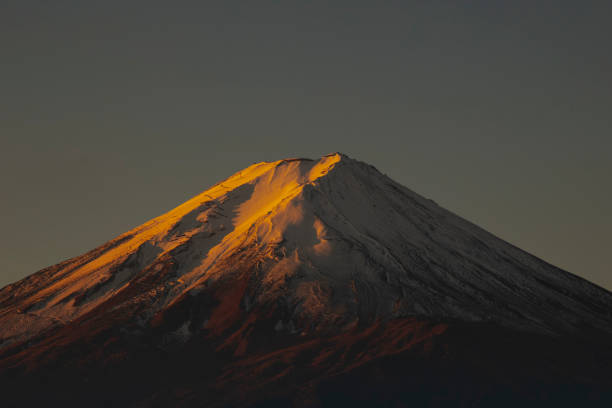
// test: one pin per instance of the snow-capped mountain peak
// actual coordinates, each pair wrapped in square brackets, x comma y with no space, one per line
[333,241]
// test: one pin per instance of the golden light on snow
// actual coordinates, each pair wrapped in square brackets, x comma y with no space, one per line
[263,191]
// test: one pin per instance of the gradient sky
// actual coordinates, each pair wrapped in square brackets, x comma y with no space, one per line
[113,112]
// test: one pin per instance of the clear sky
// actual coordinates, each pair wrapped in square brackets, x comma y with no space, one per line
[112,112]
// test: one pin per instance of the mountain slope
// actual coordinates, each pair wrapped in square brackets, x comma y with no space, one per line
[285,261]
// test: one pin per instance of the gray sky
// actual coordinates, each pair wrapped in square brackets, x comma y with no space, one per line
[113,112]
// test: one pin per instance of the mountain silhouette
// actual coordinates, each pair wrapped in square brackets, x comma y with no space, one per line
[306,283]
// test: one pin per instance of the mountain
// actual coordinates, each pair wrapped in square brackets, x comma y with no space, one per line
[312,283]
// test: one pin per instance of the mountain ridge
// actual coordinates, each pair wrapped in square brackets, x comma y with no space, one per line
[284,181]
[283,260]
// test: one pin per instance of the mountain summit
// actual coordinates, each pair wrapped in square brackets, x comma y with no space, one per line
[297,273]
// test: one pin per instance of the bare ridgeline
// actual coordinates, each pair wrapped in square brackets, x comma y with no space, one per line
[306,283]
